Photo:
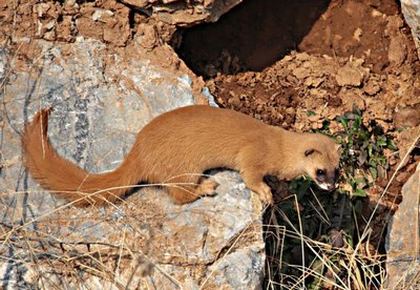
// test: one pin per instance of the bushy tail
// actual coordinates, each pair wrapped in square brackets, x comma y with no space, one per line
[64,178]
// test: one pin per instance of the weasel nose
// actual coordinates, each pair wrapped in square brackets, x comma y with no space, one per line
[331,187]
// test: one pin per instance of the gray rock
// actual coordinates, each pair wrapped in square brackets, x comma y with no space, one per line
[210,98]
[3,63]
[403,240]
[234,270]
[411,12]
[146,241]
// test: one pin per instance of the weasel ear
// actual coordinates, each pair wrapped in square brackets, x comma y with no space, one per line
[309,152]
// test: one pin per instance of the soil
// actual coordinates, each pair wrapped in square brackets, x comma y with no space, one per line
[108,21]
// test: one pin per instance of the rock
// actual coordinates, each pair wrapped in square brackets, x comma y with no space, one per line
[185,13]
[147,36]
[301,72]
[241,276]
[407,117]
[411,12]
[405,141]
[101,98]
[372,87]
[104,24]
[397,51]
[156,243]
[403,240]
[349,75]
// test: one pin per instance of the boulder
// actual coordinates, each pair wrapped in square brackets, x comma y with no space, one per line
[101,98]
[403,239]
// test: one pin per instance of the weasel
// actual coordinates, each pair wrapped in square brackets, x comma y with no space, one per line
[176,147]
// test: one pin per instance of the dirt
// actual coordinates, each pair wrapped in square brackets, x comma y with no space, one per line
[355,28]
[302,90]
[106,20]
[353,54]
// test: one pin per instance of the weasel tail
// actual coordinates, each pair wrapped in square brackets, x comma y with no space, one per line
[64,178]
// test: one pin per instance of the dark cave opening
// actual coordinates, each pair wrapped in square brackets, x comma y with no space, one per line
[250,37]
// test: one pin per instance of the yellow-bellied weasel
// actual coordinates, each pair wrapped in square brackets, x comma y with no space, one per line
[176,147]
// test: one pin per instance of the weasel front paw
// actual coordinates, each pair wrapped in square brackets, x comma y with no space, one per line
[264,191]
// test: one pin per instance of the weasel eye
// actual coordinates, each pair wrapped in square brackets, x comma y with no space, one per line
[320,172]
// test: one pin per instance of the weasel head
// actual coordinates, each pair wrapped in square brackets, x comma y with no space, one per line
[321,157]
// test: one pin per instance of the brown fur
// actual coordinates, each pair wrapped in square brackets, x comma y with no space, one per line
[176,147]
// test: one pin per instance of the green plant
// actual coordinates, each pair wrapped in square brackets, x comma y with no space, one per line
[362,158]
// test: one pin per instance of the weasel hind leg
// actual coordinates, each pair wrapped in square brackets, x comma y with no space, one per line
[189,189]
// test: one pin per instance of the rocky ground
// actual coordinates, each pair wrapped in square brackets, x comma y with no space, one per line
[341,56]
